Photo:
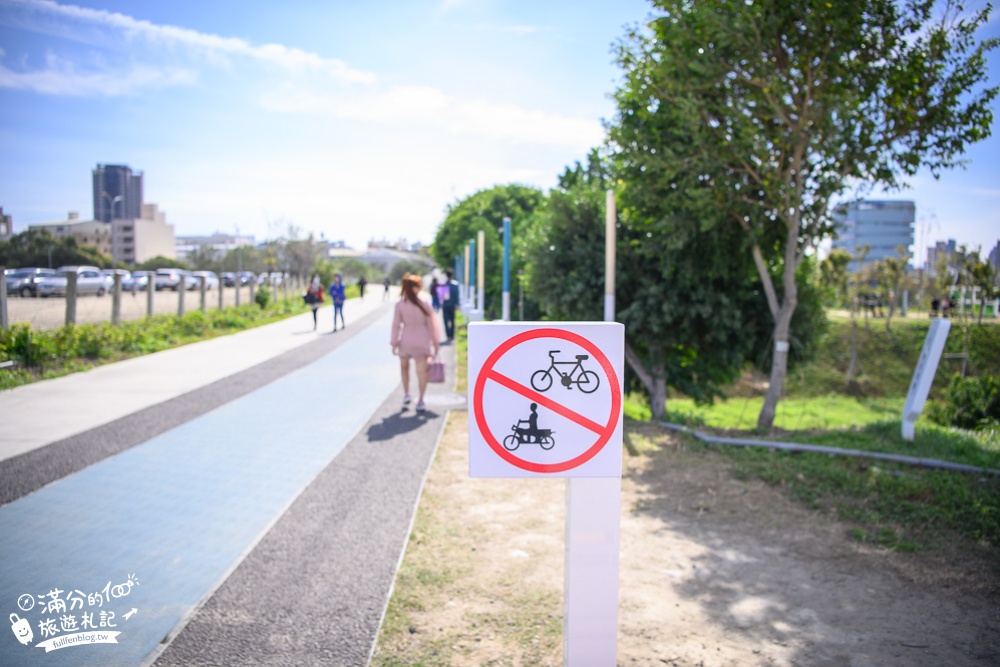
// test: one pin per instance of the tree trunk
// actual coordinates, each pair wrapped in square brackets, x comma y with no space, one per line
[782,325]
[653,379]
[779,366]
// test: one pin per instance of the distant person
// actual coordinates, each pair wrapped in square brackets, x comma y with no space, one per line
[314,296]
[435,298]
[338,295]
[387,283]
[935,306]
[448,306]
[361,286]
[413,336]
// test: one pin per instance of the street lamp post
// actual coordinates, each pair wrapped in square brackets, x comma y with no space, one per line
[113,200]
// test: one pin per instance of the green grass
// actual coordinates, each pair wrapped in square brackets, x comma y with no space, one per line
[824,412]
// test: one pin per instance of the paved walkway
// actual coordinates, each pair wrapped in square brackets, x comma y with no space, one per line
[44,412]
[265,529]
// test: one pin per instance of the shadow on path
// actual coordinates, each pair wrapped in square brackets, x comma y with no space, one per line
[399,423]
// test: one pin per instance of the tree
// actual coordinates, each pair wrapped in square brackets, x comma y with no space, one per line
[485,210]
[834,277]
[775,107]
[160,262]
[41,248]
[205,258]
[299,255]
[890,272]
[982,275]
[404,266]
[683,300]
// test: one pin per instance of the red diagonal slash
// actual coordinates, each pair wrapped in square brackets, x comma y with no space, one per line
[544,401]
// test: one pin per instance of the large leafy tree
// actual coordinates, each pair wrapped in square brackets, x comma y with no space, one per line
[682,297]
[485,210]
[762,111]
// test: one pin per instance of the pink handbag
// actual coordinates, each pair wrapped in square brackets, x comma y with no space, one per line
[435,370]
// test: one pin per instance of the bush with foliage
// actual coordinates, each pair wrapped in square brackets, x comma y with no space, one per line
[971,403]
[262,297]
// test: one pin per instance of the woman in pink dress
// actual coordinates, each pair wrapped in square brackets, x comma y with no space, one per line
[413,336]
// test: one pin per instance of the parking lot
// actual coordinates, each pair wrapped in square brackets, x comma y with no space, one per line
[50,313]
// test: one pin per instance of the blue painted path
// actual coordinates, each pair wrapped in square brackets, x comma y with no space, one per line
[158,527]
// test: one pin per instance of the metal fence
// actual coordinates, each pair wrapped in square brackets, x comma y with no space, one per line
[119,304]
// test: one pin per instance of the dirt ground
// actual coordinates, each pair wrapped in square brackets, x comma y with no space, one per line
[714,571]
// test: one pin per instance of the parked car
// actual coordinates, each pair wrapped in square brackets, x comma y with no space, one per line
[245,277]
[89,280]
[228,278]
[171,279]
[211,280]
[109,276]
[137,281]
[24,282]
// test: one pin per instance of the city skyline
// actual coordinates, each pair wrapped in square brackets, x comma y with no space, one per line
[348,121]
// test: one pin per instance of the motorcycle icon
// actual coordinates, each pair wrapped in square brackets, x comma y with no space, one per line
[526,431]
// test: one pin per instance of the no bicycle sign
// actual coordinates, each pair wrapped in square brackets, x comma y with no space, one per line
[545,399]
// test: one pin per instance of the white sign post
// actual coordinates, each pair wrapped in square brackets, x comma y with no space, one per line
[923,374]
[546,401]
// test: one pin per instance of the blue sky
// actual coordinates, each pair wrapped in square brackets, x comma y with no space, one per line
[351,119]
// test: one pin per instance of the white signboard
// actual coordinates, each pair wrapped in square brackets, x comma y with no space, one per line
[545,399]
[923,374]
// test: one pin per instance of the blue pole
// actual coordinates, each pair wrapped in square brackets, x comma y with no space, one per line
[506,270]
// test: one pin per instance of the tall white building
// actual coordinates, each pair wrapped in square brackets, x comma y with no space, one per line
[882,225]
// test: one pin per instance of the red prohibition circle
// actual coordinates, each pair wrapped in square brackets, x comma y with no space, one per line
[603,436]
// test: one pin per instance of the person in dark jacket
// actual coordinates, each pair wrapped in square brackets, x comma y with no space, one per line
[449,305]
[338,296]
[314,296]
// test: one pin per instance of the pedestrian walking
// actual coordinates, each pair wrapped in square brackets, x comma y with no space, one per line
[338,296]
[413,336]
[448,306]
[435,298]
[361,286]
[386,282]
[314,296]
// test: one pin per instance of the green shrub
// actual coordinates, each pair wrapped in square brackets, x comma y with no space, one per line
[971,403]
[262,297]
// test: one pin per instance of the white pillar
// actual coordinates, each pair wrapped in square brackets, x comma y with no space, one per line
[593,535]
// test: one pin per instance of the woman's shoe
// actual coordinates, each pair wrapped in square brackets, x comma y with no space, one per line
[420,406]
[406,399]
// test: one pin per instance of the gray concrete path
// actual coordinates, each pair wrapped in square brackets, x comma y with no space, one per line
[264,528]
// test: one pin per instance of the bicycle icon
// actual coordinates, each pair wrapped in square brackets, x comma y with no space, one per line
[586,381]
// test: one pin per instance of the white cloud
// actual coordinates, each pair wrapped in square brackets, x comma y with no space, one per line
[509,122]
[62,78]
[427,105]
[310,93]
[37,14]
